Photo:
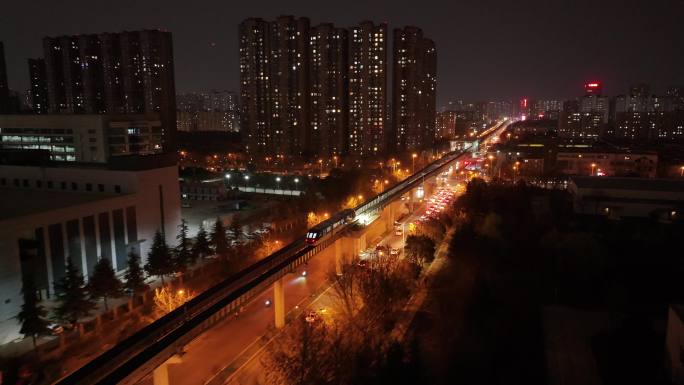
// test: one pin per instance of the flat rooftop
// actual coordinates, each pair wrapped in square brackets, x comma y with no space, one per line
[635,184]
[16,203]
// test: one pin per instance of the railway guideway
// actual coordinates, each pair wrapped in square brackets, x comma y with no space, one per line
[155,346]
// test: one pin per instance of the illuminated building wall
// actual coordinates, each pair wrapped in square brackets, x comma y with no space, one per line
[367,89]
[414,90]
[329,107]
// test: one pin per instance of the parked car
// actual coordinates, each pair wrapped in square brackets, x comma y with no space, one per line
[55,329]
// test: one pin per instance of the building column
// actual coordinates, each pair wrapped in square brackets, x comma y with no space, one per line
[160,375]
[338,255]
[279,303]
[98,241]
[112,242]
[48,260]
[65,243]
[81,237]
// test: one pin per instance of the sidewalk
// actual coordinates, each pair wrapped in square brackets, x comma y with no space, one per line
[416,301]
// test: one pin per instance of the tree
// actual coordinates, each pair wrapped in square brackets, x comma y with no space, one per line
[32,315]
[183,255]
[420,249]
[73,301]
[300,357]
[135,276]
[104,283]
[235,227]
[218,238]
[201,246]
[159,261]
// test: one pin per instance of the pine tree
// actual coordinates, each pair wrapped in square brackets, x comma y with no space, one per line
[236,227]
[135,276]
[104,283]
[32,315]
[218,238]
[159,261]
[201,247]
[72,296]
[182,251]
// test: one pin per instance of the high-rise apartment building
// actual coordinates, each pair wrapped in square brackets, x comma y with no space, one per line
[208,111]
[289,75]
[586,117]
[38,91]
[329,84]
[4,89]
[414,90]
[255,90]
[274,85]
[367,89]
[445,124]
[130,72]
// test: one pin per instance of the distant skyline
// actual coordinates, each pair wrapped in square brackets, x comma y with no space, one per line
[487,50]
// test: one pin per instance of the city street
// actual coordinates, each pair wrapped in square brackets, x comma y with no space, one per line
[227,346]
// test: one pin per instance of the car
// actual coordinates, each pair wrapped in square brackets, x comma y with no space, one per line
[312,316]
[398,231]
[55,329]
[394,252]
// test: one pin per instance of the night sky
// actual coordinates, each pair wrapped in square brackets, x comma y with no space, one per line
[486,49]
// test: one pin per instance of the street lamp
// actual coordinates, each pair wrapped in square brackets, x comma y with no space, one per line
[335,159]
[491,166]
[413,163]
[320,162]
[681,171]
[278,182]
[246,180]
[593,166]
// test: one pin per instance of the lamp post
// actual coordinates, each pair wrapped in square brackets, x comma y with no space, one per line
[413,163]
[335,160]
[246,181]
[320,162]
[491,165]
[278,182]
[681,172]
[296,182]
[228,179]
[593,166]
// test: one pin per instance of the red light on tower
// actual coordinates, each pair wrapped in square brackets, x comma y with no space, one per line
[592,88]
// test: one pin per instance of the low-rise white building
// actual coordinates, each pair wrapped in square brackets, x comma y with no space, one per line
[55,211]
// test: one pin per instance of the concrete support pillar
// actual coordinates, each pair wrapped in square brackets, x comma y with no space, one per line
[279,303]
[160,375]
[338,256]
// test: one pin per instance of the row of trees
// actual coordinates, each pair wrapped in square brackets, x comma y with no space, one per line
[76,299]
[164,260]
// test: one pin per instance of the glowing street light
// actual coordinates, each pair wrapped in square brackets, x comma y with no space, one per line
[593,166]
[246,181]
[278,181]
[413,163]
[296,182]
[681,171]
